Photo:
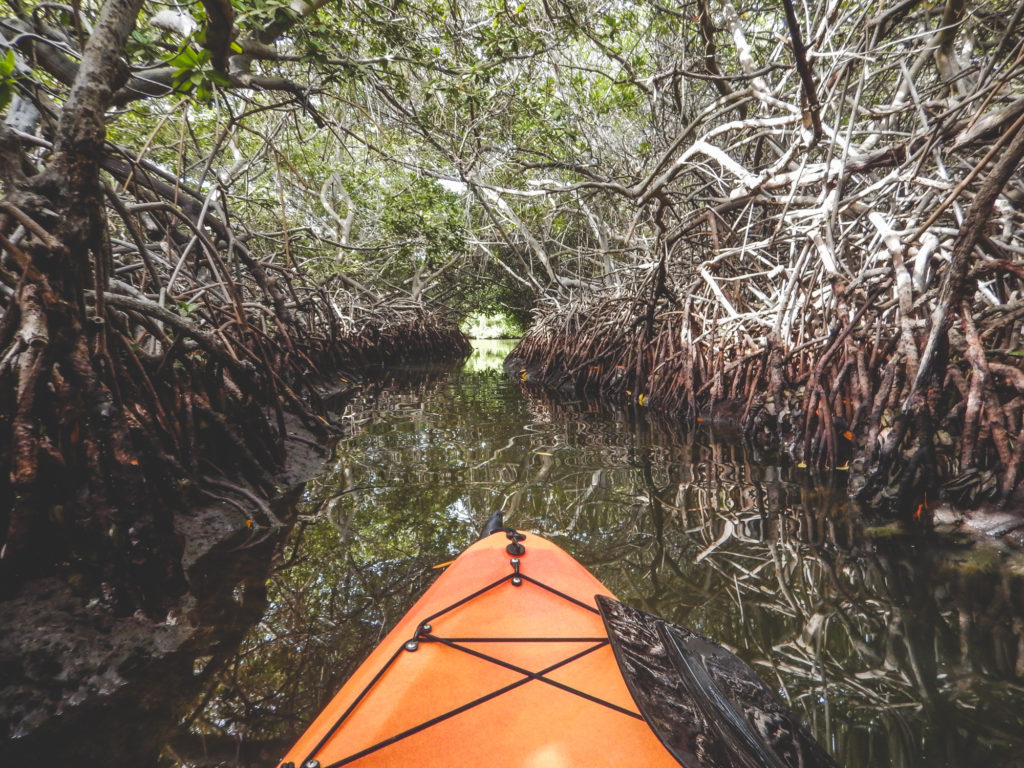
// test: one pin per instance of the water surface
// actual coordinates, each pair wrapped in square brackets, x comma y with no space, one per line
[896,649]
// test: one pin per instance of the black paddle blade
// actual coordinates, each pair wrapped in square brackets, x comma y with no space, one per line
[707,707]
[495,524]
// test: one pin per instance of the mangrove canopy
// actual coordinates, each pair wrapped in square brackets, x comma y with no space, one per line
[801,218]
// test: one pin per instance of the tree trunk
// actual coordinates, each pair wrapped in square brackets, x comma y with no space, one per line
[81,480]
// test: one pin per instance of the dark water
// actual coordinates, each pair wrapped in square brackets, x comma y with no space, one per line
[898,650]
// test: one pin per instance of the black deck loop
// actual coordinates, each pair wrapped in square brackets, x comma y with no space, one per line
[515,548]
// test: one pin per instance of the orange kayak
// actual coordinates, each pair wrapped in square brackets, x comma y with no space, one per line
[504,661]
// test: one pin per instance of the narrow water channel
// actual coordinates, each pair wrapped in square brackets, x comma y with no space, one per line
[897,650]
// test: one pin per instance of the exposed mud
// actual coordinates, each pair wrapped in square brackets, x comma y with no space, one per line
[78,682]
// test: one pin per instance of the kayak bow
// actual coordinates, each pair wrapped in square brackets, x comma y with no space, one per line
[506,661]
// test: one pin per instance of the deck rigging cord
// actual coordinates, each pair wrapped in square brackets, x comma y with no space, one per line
[424,634]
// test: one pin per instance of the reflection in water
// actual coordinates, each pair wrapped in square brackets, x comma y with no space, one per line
[488,355]
[895,653]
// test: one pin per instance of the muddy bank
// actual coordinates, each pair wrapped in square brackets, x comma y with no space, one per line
[78,682]
[77,672]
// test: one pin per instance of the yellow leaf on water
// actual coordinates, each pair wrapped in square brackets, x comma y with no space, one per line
[802,465]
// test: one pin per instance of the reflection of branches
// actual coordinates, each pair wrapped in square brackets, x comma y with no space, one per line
[861,629]
[852,633]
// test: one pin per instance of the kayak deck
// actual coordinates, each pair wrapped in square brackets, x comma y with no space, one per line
[504,661]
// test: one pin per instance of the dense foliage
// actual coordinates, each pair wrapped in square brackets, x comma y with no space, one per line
[829,190]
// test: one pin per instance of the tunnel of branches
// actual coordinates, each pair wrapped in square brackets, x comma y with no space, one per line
[802,219]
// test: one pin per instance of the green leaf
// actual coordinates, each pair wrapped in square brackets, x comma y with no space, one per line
[185,59]
[7,63]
